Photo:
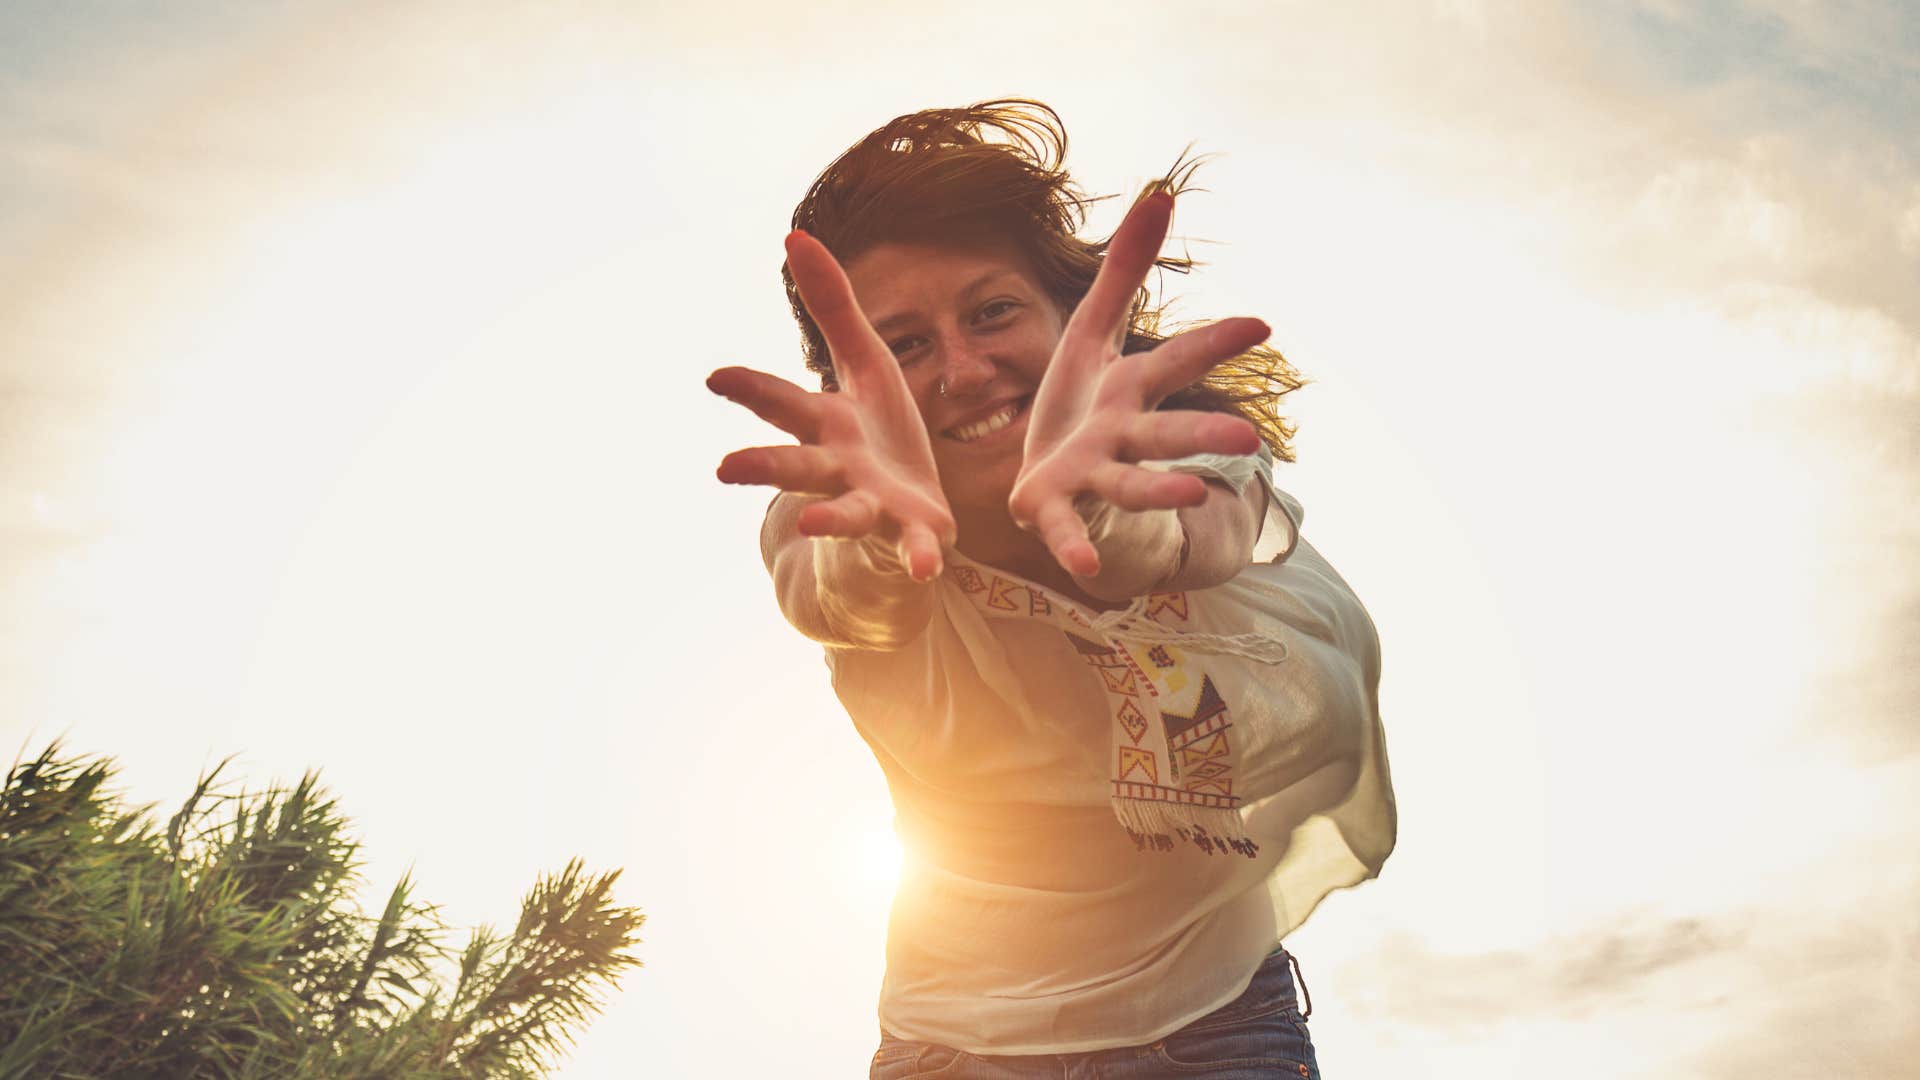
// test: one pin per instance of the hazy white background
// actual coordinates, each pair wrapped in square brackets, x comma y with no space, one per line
[351,417]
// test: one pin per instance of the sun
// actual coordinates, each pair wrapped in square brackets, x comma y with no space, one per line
[877,858]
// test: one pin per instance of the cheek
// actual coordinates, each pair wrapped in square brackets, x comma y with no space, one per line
[920,382]
[1038,353]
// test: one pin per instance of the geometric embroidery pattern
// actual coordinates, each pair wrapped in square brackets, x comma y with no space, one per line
[997,597]
[1136,790]
[1088,648]
[1198,745]
[1169,603]
[1217,785]
[1209,715]
[1206,750]
[1120,680]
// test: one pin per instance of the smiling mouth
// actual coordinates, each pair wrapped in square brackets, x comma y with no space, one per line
[980,429]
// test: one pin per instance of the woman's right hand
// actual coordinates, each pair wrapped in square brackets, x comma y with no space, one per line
[864,447]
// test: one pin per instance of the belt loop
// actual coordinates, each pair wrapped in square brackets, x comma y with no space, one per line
[1294,962]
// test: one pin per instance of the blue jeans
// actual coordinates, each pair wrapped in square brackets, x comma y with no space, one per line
[1261,1033]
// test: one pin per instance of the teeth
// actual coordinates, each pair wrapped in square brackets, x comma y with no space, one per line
[979,428]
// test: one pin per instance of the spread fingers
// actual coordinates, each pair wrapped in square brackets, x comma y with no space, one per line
[1135,245]
[771,398]
[803,469]
[849,516]
[1185,357]
[860,358]
[920,551]
[1131,487]
[1065,535]
[1176,433]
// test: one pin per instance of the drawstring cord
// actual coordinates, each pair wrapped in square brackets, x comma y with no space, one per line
[1133,624]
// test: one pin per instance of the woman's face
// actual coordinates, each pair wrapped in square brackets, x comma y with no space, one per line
[973,319]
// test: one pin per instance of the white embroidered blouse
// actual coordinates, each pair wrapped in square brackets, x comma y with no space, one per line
[1029,745]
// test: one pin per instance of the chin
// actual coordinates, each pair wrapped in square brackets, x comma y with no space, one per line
[982,488]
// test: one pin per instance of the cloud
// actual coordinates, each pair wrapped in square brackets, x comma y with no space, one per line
[1866,441]
[1839,994]
[1755,163]
[1731,994]
[1674,149]
[1758,160]
[1409,982]
[1761,143]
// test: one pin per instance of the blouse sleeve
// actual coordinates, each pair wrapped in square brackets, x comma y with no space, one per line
[1280,532]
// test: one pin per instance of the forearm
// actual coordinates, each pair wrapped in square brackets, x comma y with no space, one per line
[847,593]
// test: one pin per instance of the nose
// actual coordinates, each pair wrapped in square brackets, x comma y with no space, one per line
[965,368]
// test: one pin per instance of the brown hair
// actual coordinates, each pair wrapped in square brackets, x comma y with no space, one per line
[935,175]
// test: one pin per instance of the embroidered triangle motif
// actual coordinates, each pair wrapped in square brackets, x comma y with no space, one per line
[1209,706]
[997,595]
[1213,747]
[1176,602]
[1120,680]
[1134,760]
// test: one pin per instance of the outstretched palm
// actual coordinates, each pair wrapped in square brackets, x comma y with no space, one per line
[865,447]
[1094,416]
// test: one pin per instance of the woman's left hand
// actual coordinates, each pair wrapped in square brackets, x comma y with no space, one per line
[1095,417]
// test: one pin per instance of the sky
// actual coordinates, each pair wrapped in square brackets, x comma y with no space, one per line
[352,418]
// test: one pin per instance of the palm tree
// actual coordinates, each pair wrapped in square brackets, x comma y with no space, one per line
[229,943]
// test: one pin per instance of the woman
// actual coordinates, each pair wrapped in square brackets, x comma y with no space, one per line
[1128,717]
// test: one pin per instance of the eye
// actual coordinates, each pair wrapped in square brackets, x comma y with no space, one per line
[902,346]
[994,310]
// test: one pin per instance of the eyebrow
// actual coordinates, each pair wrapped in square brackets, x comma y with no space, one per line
[884,326]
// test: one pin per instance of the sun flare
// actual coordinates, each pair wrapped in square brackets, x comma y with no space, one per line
[877,859]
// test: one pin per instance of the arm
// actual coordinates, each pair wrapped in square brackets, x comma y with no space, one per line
[844,593]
